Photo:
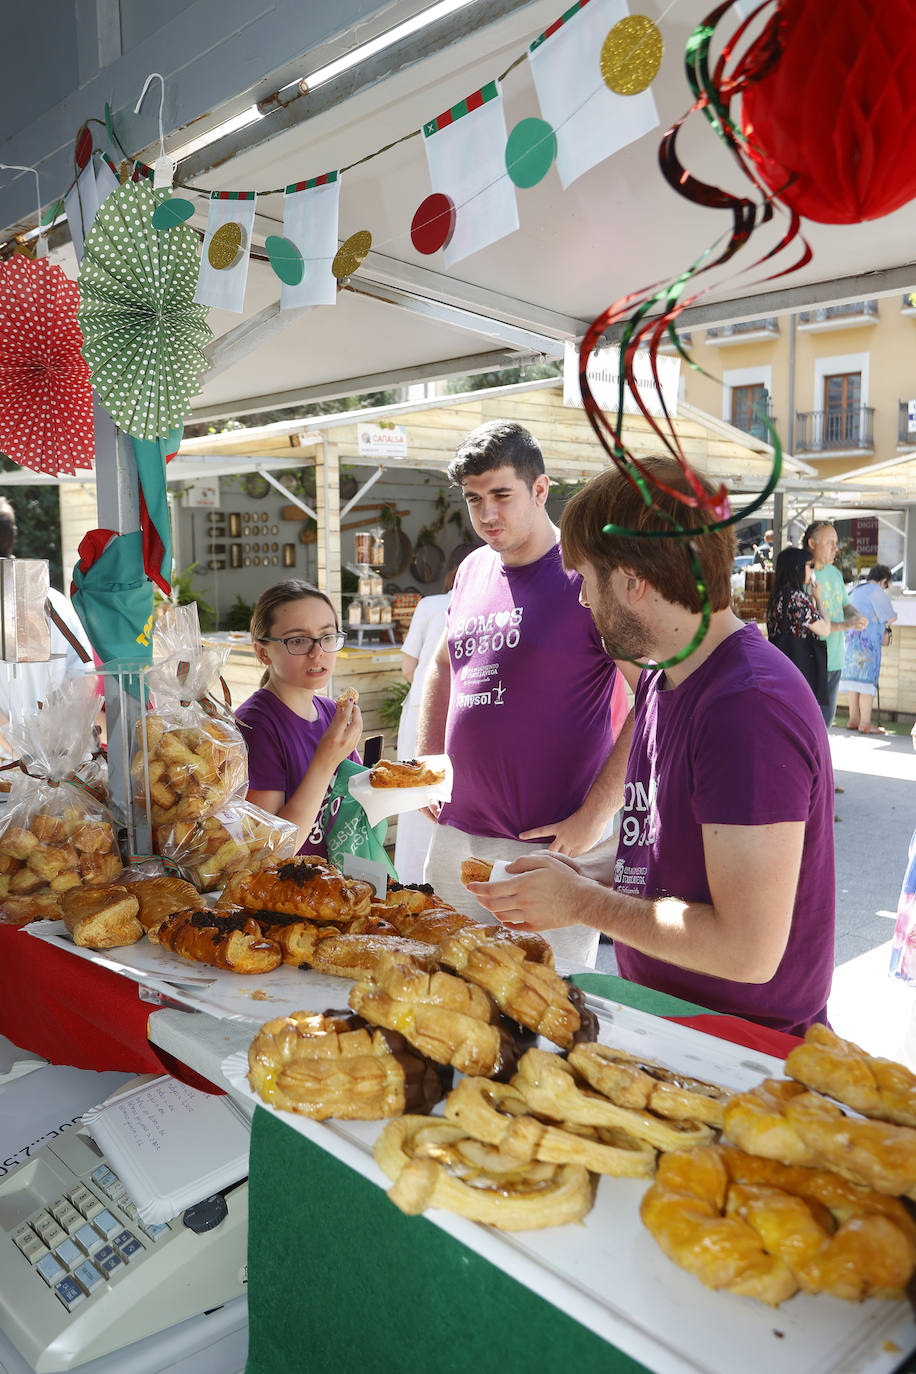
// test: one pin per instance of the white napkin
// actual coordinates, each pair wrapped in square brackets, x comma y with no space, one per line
[379,802]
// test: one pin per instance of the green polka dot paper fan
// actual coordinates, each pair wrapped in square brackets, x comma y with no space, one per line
[143,333]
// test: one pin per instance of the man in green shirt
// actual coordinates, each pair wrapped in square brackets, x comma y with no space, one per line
[821,539]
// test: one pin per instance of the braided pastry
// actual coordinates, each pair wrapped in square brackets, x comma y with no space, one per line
[307,886]
[435,1164]
[551,1089]
[875,1087]
[225,939]
[765,1230]
[642,1083]
[333,1065]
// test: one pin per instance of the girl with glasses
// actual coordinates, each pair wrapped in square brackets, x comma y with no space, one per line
[297,736]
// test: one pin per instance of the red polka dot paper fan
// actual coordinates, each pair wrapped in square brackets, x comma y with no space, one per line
[45,395]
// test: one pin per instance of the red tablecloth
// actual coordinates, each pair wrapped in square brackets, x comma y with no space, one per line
[71,1011]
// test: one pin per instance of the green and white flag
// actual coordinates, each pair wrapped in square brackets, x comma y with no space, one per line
[466,155]
[223,272]
[591,122]
[310,218]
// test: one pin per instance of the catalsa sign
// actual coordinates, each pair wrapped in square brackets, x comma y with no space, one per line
[604,379]
[382,440]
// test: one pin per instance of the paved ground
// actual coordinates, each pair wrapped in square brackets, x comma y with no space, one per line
[876,817]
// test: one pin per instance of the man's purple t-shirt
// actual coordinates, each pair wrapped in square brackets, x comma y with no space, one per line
[281,745]
[529,722]
[739,742]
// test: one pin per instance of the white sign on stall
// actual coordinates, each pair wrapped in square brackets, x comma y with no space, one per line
[382,440]
[604,380]
[203,492]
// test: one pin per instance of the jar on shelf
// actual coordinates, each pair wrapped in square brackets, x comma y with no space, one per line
[355,612]
[363,539]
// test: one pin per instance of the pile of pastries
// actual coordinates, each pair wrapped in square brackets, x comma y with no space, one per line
[51,853]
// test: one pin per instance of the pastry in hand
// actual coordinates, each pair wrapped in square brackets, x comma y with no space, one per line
[765,1230]
[405,773]
[641,1083]
[159,897]
[434,1163]
[444,1017]
[307,886]
[475,871]
[878,1088]
[101,917]
[532,994]
[227,940]
[332,1065]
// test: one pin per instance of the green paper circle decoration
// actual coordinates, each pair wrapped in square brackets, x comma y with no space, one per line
[530,149]
[285,259]
[170,212]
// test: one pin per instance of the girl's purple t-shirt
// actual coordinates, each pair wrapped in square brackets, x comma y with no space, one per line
[739,742]
[529,719]
[281,745]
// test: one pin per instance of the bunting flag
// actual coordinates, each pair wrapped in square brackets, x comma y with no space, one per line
[151,457]
[466,155]
[81,203]
[310,217]
[591,122]
[227,245]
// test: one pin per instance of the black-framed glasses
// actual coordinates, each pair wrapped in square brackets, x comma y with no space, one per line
[304,644]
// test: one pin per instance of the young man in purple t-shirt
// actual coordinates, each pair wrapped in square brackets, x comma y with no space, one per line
[723,891]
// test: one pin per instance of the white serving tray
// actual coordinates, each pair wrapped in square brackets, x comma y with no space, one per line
[609,1274]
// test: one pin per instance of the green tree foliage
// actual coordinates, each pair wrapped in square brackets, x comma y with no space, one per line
[506,376]
[37,522]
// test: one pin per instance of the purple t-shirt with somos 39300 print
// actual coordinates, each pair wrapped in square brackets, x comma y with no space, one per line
[529,717]
[741,741]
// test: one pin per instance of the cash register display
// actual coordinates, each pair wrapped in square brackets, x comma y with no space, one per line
[81,1274]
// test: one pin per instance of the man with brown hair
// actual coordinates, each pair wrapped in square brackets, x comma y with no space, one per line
[723,890]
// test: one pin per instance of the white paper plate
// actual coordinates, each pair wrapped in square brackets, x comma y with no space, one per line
[380,802]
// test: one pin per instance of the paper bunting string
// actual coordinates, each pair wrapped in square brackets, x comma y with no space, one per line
[143,334]
[465,152]
[591,122]
[45,396]
[227,244]
[310,223]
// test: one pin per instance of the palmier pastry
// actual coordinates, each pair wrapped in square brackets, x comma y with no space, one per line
[764,1230]
[498,1114]
[435,1164]
[446,1018]
[875,1087]
[225,939]
[475,871]
[532,994]
[159,897]
[332,1065]
[782,1120]
[551,1089]
[306,886]
[642,1083]
[405,773]
[101,917]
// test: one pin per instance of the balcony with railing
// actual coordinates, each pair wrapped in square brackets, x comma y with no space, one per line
[853,315]
[745,331]
[756,422]
[906,424]
[846,429]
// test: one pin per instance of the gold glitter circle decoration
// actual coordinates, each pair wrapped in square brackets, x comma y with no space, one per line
[351,255]
[631,55]
[225,247]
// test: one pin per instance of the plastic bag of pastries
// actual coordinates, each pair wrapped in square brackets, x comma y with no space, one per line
[55,834]
[188,757]
[237,836]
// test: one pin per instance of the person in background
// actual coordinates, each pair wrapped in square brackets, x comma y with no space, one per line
[22,693]
[724,886]
[415,829]
[763,552]
[520,693]
[297,737]
[862,664]
[796,609]
[820,538]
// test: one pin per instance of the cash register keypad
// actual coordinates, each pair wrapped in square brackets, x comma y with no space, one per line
[86,1238]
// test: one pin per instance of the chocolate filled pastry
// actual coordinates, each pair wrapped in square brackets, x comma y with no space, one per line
[532,994]
[101,917]
[307,886]
[552,1090]
[765,1230]
[405,773]
[781,1120]
[444,1017]
[225,939]
[498,1114]
[414,896]
[333,1065]
[878,1088]
[159,897]
[435,1163]
[642,1083]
